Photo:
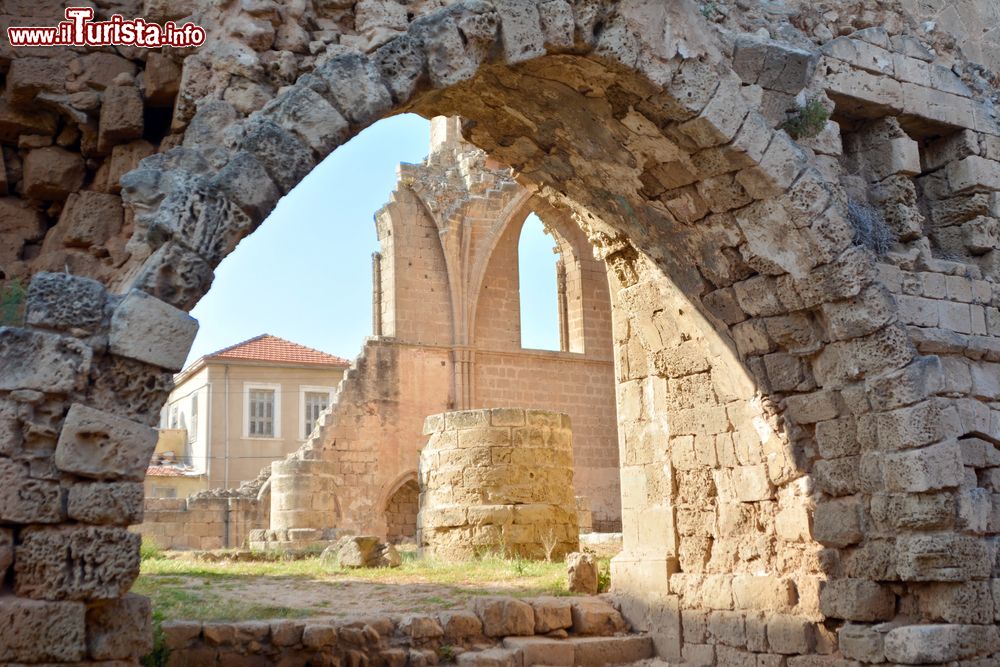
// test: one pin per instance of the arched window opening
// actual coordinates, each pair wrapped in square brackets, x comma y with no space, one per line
[542,282]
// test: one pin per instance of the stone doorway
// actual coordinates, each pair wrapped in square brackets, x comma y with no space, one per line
[401,512]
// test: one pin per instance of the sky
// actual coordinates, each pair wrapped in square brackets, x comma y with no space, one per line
[305,274]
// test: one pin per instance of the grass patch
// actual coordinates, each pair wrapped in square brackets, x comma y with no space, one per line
[177,602]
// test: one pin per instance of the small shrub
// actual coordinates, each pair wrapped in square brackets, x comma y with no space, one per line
[149,550]
[446,652]
[12,302]
[708,10]
[807,121]
[870,229]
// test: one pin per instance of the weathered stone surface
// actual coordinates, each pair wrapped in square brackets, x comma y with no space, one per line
[943,557]
[100,445]
[551,614]
[41,361]
[121,117]
[38,631]
[362,551]
[27,500]
[581,570]
[857,600]
[505,617]
[66,302]
[147,329]
[121,629]
[593,616]
[772,65]
[119,503]
[928,644]
[52,173]
[75,563]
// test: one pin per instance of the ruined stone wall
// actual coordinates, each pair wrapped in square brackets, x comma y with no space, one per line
[656,125]
[558,381]
[497,481]
[401,512]
[201,523]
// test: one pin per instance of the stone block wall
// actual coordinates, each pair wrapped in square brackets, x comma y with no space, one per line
[201,523]
[497,481]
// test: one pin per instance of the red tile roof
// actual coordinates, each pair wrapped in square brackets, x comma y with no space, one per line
[266,347]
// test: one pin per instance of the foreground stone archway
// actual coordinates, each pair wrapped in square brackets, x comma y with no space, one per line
[791,464]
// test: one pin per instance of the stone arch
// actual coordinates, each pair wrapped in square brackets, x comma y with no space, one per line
[736,278]
[400,506]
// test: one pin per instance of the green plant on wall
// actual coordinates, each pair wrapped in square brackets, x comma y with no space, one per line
[12,296]
[807,120]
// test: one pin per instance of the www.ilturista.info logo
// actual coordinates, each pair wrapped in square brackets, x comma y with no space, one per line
[80,30]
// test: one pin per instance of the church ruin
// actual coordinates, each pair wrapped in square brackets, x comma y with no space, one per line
[797,208]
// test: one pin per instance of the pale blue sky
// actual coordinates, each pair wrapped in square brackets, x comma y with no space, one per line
[305,274]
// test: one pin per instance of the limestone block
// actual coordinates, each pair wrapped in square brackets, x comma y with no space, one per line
[75,562]
[97,444]
[460,626]
[491,657]
[857,600]
[420,627]
[914,511]
[941,557]
[551,614]
[557,23]
[90,219]
[520,30]
[66,302]
[981,235]
[790,634]
[286,159]
[505,617]
[120,629]
[975,506]
[121,117]
[728,627]
[935,467]
[52,173]
[973,173]
[161,79]
[899,155]
[864,93]
[913,383]
[593,616]
[310,117]
[916,425]
[38,631]
[772,65]
[29,76]
[542,650]
[927,644]
[721,118]
[860,54]
[861,642]
[959,602]
[837,523]
[355,87]
[751,483]
[150,330]
[118,503]
[14,122]
[27,500]
[581,570]
[781,164]
[769,593]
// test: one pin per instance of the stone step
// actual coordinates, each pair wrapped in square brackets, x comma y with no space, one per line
[571,652]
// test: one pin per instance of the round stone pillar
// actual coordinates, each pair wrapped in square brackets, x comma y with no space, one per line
[497,481]
[302,495]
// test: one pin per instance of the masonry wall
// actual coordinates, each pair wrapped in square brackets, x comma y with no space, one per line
[201,523]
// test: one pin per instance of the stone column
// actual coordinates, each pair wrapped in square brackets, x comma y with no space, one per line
[497,480]
[302,496]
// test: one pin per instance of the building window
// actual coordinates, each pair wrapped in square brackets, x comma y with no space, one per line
[193,431]
[314,402]
[262,410]
[164,492]
[262,413]
[174,417]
